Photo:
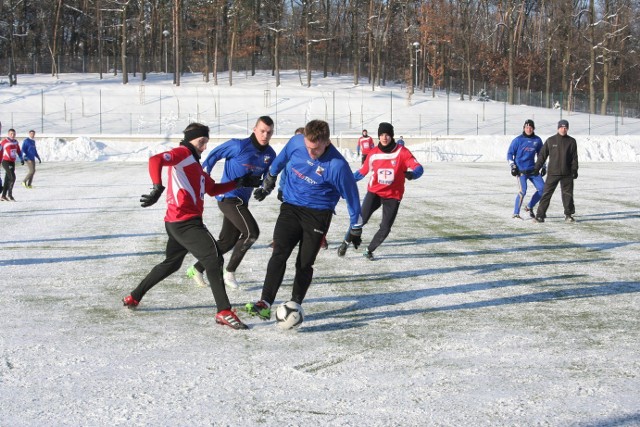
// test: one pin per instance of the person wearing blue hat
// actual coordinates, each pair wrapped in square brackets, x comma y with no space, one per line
[562,152]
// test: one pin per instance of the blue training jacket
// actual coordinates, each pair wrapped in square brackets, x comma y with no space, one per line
[241,157]
[523,151]
[29,151]
[317,184]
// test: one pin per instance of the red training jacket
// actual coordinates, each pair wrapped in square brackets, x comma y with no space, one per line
[188,183]
[387,180]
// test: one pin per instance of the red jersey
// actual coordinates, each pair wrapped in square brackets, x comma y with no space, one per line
[387,180]
[10,149]
[188,183]
[365,143]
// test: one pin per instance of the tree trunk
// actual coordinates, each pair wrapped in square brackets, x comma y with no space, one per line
[232,43]
[99,22]
[54,49]
[123,45]
[142,55]
[592,58]
[177,57]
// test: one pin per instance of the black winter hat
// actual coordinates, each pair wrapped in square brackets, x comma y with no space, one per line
[530,123]
[563,123]
[385,127]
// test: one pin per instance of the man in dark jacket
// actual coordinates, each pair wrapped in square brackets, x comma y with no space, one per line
[562,152]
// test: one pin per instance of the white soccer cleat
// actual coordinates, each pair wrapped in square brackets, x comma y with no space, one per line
[196,276]
[230,280]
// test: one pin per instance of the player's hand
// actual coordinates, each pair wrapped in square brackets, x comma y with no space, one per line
[575,175]
[514,170]
[248,180]
[147,200]
[259,194]
[543,171]
[408,175]
[355,235]
[269,183]
[22,162]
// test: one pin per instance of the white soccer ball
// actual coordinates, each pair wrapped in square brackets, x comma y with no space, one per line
[289,315]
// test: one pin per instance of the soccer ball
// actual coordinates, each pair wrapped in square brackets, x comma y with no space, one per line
[289,315]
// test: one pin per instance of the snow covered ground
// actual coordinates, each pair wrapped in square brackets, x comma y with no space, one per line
[466,317]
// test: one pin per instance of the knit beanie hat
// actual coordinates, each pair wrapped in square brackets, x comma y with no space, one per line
[530,123]
[563,123]
[385,127]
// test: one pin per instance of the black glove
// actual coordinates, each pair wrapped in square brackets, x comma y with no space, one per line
[22,162]
[543,171]
[280,196]
[269,183]
[39,161]
[514,170]
[355,236]
[408,175]
[248,180]
[151,198]
[575,175]
[259,194]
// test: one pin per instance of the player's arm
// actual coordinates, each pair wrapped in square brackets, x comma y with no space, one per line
[223,151]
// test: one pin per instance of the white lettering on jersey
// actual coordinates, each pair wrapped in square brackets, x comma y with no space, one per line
[385,176]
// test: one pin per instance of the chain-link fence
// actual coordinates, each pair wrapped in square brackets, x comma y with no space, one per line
[91,106]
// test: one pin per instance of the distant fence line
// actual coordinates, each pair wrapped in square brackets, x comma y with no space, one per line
[161,112]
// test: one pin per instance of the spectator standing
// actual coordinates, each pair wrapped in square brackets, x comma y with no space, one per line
[30,154]
[521,157]
[562,168]
[9,152]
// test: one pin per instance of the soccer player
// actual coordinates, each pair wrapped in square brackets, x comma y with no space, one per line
[391,164]
[316,177]
[365,145]
[252,155]
[9,152]
[522,160]
[187,186]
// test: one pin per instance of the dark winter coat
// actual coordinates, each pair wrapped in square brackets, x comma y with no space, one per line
[562,152]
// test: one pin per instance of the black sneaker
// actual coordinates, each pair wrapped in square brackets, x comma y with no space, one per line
[342,249]
[324,244]
[368,255]
[530,210]
[537,219]
[569,218]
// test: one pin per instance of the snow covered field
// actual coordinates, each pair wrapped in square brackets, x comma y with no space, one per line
[467,317]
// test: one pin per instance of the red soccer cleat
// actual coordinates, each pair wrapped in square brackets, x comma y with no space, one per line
[130,302]
[229,318]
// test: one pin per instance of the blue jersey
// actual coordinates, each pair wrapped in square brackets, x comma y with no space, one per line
[317,184]
[241,157]
[523,151]
[29,151]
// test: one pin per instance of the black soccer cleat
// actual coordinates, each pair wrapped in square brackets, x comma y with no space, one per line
[342,249]
[530,210]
